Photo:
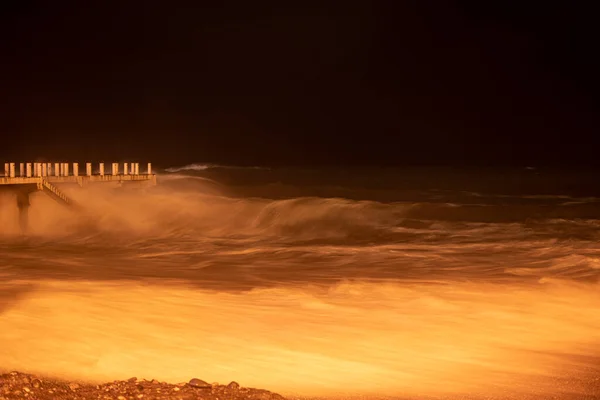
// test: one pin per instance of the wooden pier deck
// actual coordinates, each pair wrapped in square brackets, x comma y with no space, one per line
[44,177]
[35,173]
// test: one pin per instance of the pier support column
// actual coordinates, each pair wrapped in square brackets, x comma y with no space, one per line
[23,205]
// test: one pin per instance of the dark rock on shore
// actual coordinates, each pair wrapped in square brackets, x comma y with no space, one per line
[16,385]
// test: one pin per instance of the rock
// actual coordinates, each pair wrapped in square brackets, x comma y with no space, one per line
[121,398]
[199,384]
[132,380]
[176,389]
[73,386]
[233,386]
[36,383]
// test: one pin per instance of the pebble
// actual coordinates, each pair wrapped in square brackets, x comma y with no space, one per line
[198,383]
[36,383]
[73,386]
[233,386]
[121,398]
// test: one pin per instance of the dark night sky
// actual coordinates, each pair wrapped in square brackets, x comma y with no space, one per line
[369,82]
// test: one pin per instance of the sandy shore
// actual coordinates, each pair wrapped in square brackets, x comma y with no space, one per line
[16,385]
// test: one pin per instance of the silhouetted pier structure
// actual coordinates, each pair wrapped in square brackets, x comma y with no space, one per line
[43,177]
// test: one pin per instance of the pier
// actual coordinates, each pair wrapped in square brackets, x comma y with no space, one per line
[44,177]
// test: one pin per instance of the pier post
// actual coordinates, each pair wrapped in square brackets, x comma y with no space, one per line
[48,169]
[101,169]
[23,205]
[6,168]
[115,168]
[66,169]
[75,169]
[125,169]
[149,168]
[137,168]
[56,169]
[45,169]
[88,169]
[28,170]
[11,167]
[22,169]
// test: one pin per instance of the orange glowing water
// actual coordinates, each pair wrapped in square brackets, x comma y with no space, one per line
[179,284]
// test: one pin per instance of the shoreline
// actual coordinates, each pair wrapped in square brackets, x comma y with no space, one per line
[17,385]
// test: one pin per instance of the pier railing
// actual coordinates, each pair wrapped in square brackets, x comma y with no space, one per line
[62,169]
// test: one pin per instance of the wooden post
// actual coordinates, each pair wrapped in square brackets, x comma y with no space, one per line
[88,169]
[56,169]
[44,169]
[149,168]
[6,169]
[75,169]
[29,170]
[23,205]
[22,169]
[11,171]
[101,169]
[125,169]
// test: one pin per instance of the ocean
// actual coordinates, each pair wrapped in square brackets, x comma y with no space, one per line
[314,283]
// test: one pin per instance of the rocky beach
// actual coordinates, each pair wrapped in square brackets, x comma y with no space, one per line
[17,385]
